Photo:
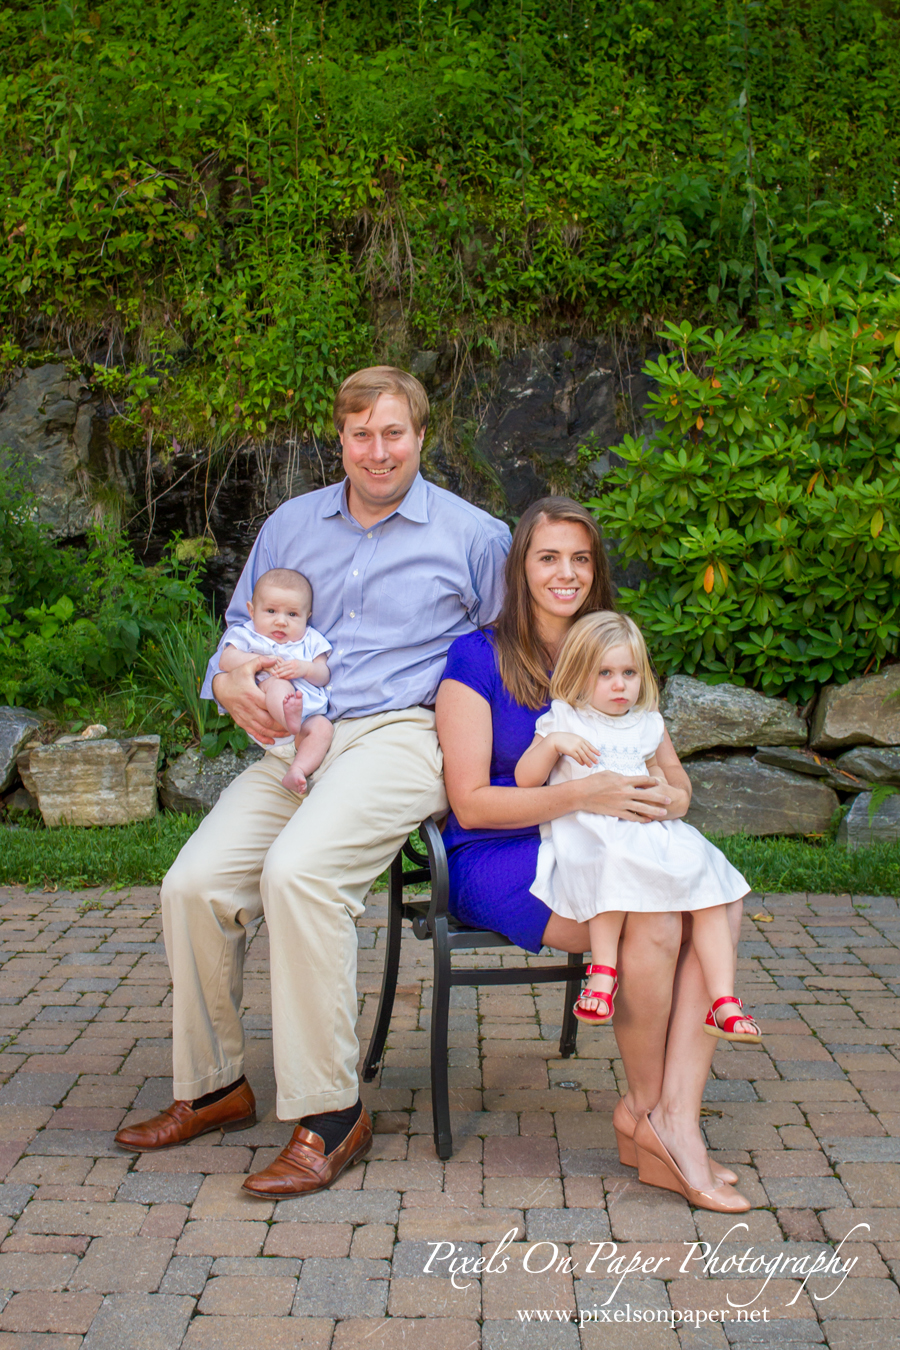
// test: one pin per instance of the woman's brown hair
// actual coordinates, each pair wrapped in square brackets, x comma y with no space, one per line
[521,655]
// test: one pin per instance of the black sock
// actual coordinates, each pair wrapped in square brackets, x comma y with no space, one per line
[333,1126]
[216,1096]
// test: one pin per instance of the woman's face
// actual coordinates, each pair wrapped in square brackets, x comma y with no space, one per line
[558,568]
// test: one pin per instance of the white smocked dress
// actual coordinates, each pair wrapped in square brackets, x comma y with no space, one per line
[312,644]
[588,864]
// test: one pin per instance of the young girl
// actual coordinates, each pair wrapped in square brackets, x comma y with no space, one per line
[596,868]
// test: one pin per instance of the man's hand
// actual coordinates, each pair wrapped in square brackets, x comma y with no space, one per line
[289,670]
[239,695]
[626,798]
[575,747]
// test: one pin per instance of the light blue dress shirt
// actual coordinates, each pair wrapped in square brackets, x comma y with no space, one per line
[389,599]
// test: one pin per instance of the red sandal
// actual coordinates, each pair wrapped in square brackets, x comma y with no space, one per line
[591,1014]
[726,1030]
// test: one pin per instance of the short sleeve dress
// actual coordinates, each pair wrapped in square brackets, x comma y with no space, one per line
[491,871]
[589,864]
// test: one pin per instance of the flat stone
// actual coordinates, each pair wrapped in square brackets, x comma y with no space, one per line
[351,1287]
[27,1270]
[861,712]
[96,1143]
[41,1310]
[186,1275]
[335,1206]
[278,1333]
[873,764]
[566,1225]
[13,1200]
[700,716]
[808,762]
[160,1188]
[805,1192]
[68,1217]
[123,1265]
[237,1295]
[193,783]
[36,1089]
[737,795]
[17,726]
[94,782]
[503,1334]
[139,1322]
[863,1150]
[858,829]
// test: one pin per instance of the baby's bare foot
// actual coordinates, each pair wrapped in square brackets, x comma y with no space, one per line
[293,711]
[295,779]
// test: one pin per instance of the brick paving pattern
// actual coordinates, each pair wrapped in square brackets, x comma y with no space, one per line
[103,1249]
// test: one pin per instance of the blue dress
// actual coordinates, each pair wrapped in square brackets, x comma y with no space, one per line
[491,871]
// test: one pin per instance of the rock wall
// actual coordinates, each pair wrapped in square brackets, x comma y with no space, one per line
[543,421]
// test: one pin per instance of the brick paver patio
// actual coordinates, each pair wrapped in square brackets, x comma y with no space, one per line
[108,1250]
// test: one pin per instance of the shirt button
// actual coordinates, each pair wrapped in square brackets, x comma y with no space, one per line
[369,535]
[353,614]
[356,573]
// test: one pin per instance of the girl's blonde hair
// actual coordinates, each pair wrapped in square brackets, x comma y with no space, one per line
[588,640]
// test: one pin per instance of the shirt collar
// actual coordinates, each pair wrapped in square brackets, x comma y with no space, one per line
[414,506]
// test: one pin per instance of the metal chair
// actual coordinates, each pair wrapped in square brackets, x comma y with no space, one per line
[431,921]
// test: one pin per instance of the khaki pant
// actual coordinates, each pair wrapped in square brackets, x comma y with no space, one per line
[307,864]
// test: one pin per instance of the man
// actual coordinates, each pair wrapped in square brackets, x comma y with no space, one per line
[399,568]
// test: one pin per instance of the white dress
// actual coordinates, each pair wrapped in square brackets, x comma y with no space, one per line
[588,864]
[312,644]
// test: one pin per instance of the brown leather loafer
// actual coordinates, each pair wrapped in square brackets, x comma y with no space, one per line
[304,1167]
[180,1122]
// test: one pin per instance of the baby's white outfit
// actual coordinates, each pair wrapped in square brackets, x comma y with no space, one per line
[588,864]
[312,644]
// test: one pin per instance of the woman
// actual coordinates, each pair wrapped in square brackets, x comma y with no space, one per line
[494,689]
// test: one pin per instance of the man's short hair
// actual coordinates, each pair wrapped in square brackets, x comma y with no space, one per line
[363,388]
[288,580]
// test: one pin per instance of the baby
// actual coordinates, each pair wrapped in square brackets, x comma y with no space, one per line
[295,687]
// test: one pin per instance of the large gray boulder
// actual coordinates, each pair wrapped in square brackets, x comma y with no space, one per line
[93,782]
[700,716]
[862,712]
[193,782]
[17,726]
[45,427]
[873,764]
[858,831]
[738,795]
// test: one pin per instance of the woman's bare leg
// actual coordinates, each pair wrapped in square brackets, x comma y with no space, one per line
[688,1057]
[648,954]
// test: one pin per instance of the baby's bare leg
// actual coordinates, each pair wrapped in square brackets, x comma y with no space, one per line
[275,692]
[313,740]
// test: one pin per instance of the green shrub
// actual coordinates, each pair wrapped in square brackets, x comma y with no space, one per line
[767,502]
[74,619]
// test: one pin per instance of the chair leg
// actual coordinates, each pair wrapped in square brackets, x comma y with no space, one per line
[570,1021]
[372,1061]
[440,1018]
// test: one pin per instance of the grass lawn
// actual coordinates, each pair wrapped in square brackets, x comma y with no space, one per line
[140,854]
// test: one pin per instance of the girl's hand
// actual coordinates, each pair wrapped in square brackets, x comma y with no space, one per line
[576,747]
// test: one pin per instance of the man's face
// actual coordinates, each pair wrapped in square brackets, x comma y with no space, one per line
[381,457]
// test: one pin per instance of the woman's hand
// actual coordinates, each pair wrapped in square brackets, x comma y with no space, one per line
[236,690]
[626,798]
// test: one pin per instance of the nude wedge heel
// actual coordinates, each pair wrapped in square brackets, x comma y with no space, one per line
[657,1167]
[623,1124]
